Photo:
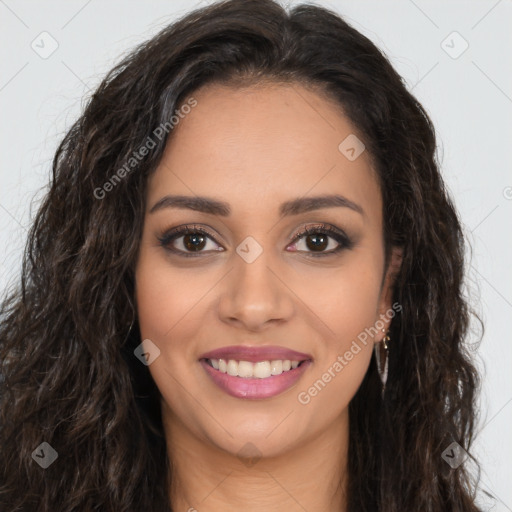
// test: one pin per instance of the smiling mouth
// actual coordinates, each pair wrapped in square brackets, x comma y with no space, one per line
[254,370]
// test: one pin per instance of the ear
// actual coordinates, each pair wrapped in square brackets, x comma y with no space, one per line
[386,310]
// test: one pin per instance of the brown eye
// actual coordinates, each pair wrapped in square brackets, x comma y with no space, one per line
[189,241]
[194,241]
[317,242]
[321,240]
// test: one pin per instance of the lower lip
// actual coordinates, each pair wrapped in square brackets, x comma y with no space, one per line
[254,388]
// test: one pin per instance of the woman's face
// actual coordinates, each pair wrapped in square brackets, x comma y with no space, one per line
[268,154]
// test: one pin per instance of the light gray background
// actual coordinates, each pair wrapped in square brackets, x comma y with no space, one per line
[469,99]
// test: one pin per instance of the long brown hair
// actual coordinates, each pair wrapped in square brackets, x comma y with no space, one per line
[70,377]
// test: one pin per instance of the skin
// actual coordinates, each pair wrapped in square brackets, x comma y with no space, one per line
[254,149]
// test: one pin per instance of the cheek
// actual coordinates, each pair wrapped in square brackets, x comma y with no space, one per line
[331,389]
[169,302]
[348,304]
[344,357]
[170,312]
[344,300]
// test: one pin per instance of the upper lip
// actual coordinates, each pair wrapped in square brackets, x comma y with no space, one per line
[255,354]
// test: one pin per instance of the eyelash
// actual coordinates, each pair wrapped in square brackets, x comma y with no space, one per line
[324,229]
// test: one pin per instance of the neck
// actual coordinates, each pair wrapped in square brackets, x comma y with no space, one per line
[309,477]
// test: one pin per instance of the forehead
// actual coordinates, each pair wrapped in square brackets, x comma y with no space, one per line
[260,145]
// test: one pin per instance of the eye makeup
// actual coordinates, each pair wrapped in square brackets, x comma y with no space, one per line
[195,238]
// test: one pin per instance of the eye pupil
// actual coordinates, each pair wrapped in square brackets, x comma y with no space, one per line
[320,241]
[194,241]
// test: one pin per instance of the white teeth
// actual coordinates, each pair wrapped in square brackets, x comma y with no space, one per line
[258,370]
[232,368]
[276,367]
[244,368]
[262,369]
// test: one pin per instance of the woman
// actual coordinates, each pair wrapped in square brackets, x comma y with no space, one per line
[243,287]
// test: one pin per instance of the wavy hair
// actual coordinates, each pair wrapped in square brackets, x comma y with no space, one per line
[70,377]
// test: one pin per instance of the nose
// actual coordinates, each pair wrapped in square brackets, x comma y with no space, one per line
[254,294]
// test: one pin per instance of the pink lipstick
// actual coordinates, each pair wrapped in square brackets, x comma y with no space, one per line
[255,372]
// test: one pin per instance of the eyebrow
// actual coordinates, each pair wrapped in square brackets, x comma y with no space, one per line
[220,208]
